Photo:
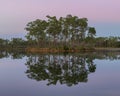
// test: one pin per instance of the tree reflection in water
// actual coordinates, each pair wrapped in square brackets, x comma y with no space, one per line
[69,69]
[66,69]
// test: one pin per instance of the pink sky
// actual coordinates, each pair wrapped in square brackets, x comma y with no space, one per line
[14,14]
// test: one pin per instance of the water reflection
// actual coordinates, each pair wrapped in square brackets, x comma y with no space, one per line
[65,69]
[85,74]
[14,54]
[68,69]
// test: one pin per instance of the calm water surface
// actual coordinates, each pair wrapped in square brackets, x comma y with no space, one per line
[81,74]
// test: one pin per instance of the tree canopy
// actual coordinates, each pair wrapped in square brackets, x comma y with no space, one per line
[66,31]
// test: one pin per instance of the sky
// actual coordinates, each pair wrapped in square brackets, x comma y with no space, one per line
[104,15]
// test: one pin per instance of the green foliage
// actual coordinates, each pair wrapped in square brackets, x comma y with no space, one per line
[64,30]
[107,42]
[91,32]
[65,33]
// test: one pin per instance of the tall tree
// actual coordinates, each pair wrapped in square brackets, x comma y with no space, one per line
[37,31]
[54,28]
[83,27]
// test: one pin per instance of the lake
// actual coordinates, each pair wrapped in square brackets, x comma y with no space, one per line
[67,74]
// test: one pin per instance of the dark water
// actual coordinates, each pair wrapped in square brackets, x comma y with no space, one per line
[80,74]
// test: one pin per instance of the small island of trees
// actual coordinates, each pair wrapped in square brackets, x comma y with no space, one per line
[64,34]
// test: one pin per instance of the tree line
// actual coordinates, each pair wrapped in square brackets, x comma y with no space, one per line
[70,32]
[66,33]
[14,43]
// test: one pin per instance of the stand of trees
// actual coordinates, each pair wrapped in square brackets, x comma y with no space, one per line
[65,32]
[20,44]
[113,42]
[70,32]
[14,43]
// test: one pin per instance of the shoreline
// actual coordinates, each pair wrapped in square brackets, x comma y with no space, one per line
[54,50]
[108,49]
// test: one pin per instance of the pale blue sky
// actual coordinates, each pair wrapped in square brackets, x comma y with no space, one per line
[104,15]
